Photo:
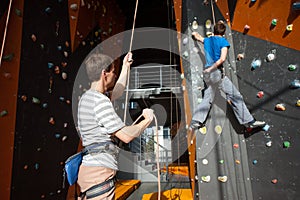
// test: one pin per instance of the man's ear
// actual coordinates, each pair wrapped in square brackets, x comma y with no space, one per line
[103,72]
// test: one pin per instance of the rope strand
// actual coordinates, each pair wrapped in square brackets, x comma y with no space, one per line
[213,12]
[5,30]
[128,71]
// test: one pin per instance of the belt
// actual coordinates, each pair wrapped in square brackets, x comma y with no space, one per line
[103,147]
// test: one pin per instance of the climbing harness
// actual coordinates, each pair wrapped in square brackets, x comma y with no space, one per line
[98,189]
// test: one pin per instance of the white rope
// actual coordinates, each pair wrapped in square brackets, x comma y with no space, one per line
[5,30]
[157,161]
[213,12]
[128,71]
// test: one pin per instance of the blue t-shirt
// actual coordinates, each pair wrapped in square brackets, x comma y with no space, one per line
[212,48]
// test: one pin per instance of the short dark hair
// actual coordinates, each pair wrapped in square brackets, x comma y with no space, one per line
[219,28]
[96,63]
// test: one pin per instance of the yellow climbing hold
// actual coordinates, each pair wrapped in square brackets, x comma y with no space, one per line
[203,130]
[218,129]
[222,178]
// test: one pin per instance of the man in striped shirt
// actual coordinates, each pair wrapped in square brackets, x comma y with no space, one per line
[98,122]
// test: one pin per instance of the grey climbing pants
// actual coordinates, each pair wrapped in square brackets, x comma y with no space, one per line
[232,94]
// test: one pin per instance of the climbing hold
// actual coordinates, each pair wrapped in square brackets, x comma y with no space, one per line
[195,25]
[238,162]
[260,94]
[235,145]
[3,113]
[62,98]
[24,98]
[205,178]
[33,38]
[18,12]
[68,101]
[7,75]
[296,5]
[8,57]
[25,167]
[240,56]
[269,144]
[270,57]
[59,47]
[42,46]
[218,129]
[185,41]
[292,67]
[195,49]
[36,166]
[280,107]
[274,181]
[182,76]
[254,162]
[57,135]
[67,44]
[222,179]
[35,100]
[266,127]
[298,103]
[56,70]
[208,25]
[45,105]
[295,84]
[221,161]
[203,130]
[66,54]
[246,27]
[253,1]
[255,64]
[185,54]
[74,6]
[51,120]
[65,125]
[64,75]
[48,10]
[204,161]
[286,144]
[50,65]
[289,27]
[64,64]
[274,22]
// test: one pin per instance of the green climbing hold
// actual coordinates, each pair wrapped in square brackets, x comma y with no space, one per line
[8,57]
[286,144]
[292,67]
[18,12]
[35,100]
[3,113]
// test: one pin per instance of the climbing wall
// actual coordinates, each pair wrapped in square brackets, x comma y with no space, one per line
[221,169]
[45,45]
[268,77]
[263,62]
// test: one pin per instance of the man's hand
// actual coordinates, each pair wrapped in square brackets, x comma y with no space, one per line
[197,36]
[208,70]
[148,114]
[127,61]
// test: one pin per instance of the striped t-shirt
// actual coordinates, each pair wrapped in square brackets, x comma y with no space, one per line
[97,120]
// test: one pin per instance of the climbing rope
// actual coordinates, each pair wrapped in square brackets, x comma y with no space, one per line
[128,71]
[126,104]
[213,11]
[5,30]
